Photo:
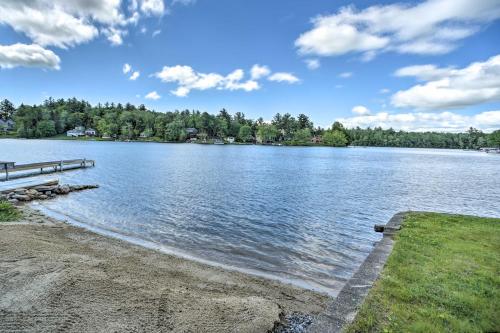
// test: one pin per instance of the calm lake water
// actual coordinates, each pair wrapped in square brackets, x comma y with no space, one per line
[300,214]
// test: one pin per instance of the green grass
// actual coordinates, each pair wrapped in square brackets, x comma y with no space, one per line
[8,212]
[443,275]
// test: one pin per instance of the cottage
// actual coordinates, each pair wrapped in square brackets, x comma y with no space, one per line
[7,125]
[191,132]
[76,132]
[90,132]
[317,139]
[230,139]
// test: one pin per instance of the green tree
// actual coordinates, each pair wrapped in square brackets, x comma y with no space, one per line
[102,127]
[175,131]
[245,133]
[267,133]
[302,136]
[304,122]
[335,138]
[6,109]
[46,128]
[494,138]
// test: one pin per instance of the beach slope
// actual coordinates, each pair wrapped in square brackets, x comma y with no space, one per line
[57,277]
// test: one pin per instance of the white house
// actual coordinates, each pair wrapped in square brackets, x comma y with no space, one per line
[90,132]
[76,132]
[230,139]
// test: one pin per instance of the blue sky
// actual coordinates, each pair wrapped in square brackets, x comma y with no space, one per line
[414,65]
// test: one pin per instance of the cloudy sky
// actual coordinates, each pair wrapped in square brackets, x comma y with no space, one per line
[414,65]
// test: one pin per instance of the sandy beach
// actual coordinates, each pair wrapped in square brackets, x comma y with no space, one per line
[57,277]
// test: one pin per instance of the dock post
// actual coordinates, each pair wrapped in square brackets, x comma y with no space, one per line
[60,166]
[6,174]
[41,170]
[84,162]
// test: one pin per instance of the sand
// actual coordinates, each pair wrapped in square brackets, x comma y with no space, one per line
[56,277]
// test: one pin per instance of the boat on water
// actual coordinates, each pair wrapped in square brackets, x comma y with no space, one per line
[218,142]
[490,150]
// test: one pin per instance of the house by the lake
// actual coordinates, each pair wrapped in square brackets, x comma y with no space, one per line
[81,131]
[230,139]
[90,132]
[317,139]
[191,132]
[7,125]
[76,132]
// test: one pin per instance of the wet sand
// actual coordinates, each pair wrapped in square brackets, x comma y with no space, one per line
[57,277]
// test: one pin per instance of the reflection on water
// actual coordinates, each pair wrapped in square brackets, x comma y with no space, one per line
[300,214]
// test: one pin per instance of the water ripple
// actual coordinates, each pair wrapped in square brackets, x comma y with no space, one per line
[304,215]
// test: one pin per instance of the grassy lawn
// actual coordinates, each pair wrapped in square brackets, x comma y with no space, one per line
[8,212]
[443,275]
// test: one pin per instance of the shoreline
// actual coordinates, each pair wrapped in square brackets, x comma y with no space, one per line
[235,144]
[59,276]
[172,251]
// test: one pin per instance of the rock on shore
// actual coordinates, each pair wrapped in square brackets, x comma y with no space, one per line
[42,192]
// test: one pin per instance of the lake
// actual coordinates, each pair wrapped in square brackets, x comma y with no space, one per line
[304,215]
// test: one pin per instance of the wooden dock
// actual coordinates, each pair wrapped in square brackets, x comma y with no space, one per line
[9,168]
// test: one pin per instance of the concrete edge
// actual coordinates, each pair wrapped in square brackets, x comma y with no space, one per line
[343,309]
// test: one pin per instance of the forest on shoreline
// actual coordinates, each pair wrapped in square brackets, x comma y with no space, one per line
[128,122]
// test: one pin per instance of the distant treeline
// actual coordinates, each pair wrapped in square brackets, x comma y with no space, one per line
[129,122]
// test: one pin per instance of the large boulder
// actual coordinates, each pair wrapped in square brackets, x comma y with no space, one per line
[21,197]
[45,188]
[32,192]
[64,189]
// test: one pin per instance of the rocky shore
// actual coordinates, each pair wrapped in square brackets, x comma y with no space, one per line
[42,192]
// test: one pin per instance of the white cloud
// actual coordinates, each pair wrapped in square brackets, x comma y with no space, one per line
[423,121]
[153,7]
[126,68]
[248,85]
[134,75]
[114,35]
[259,71]
[449,87]
[429,27]
[63,23]
[24,55]
[384,91]
[360,110]
[424,72]
[284,77]
[181,92]
[345,75]
[155,33]
[187,79]
[153,95]
[46,25]
[312,64]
